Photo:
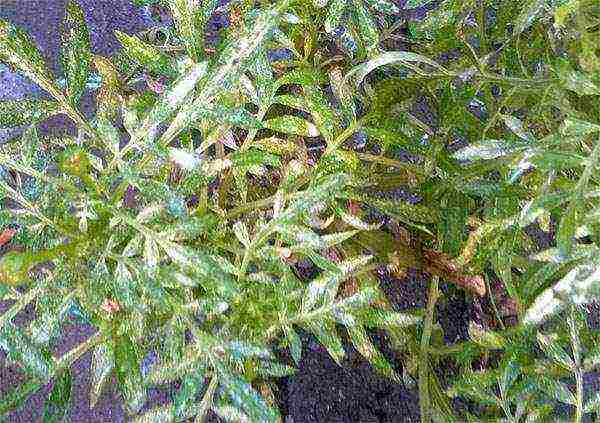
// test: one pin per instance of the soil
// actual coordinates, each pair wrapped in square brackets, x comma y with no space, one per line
[321,391]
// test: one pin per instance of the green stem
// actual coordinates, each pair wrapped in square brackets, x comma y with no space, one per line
[424,398]
[576,347]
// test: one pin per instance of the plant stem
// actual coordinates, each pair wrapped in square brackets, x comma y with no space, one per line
[424,399]
[578,372]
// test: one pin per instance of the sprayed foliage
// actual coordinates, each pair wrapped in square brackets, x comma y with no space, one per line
[183,234]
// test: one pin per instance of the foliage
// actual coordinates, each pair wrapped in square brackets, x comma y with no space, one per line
[177,220]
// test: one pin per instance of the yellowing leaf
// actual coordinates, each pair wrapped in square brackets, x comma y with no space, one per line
[292,125]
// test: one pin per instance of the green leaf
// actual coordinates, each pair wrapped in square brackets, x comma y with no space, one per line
[146,55]
[76,55]
[362,343]
[18,50]
[578,286]
[35,361]
[405,58]
[161,414]
[103,363]
[570,219]
[322,113]
[326,334]
[243,395]
[292,101]
[294,343]
[486,150]
[15,397]
[57,406]
[549,344]
[188,18]
[237,116]
[566,230]
[485,338]
[369,32]
[578,128]
[335,11]
[26,112]
[292,125]
[324,289]
[233,60]
[578,82]
[592,404]
[128,375]
[509,375]
[185,397]
[169,102]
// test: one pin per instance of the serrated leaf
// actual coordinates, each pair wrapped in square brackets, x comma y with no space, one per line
[325,287]
[233,60]
[185,397]
[76,55]
[18,50]
[244,396]
[231,414]
[128,375]
[241,233]
[386,319]
[146,55]
[294,343]
[237,116]
[273,369]
[362,343]
[168,103]
[327,335]
[274,145]
[188,16]
[578,82]
[15,397]
[577,128]
[509,375]
[592,404]
[566,230]
[26,112]
[161,414]
[34,360]
[578,286]
[292,101]
[384,6]
[516,126]
[103,363]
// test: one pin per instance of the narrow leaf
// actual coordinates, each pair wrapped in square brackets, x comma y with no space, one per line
[76,55]
[292,125]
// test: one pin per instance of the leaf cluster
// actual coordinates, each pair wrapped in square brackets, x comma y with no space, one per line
[256,187]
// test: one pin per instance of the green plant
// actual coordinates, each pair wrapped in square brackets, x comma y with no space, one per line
[177,234]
